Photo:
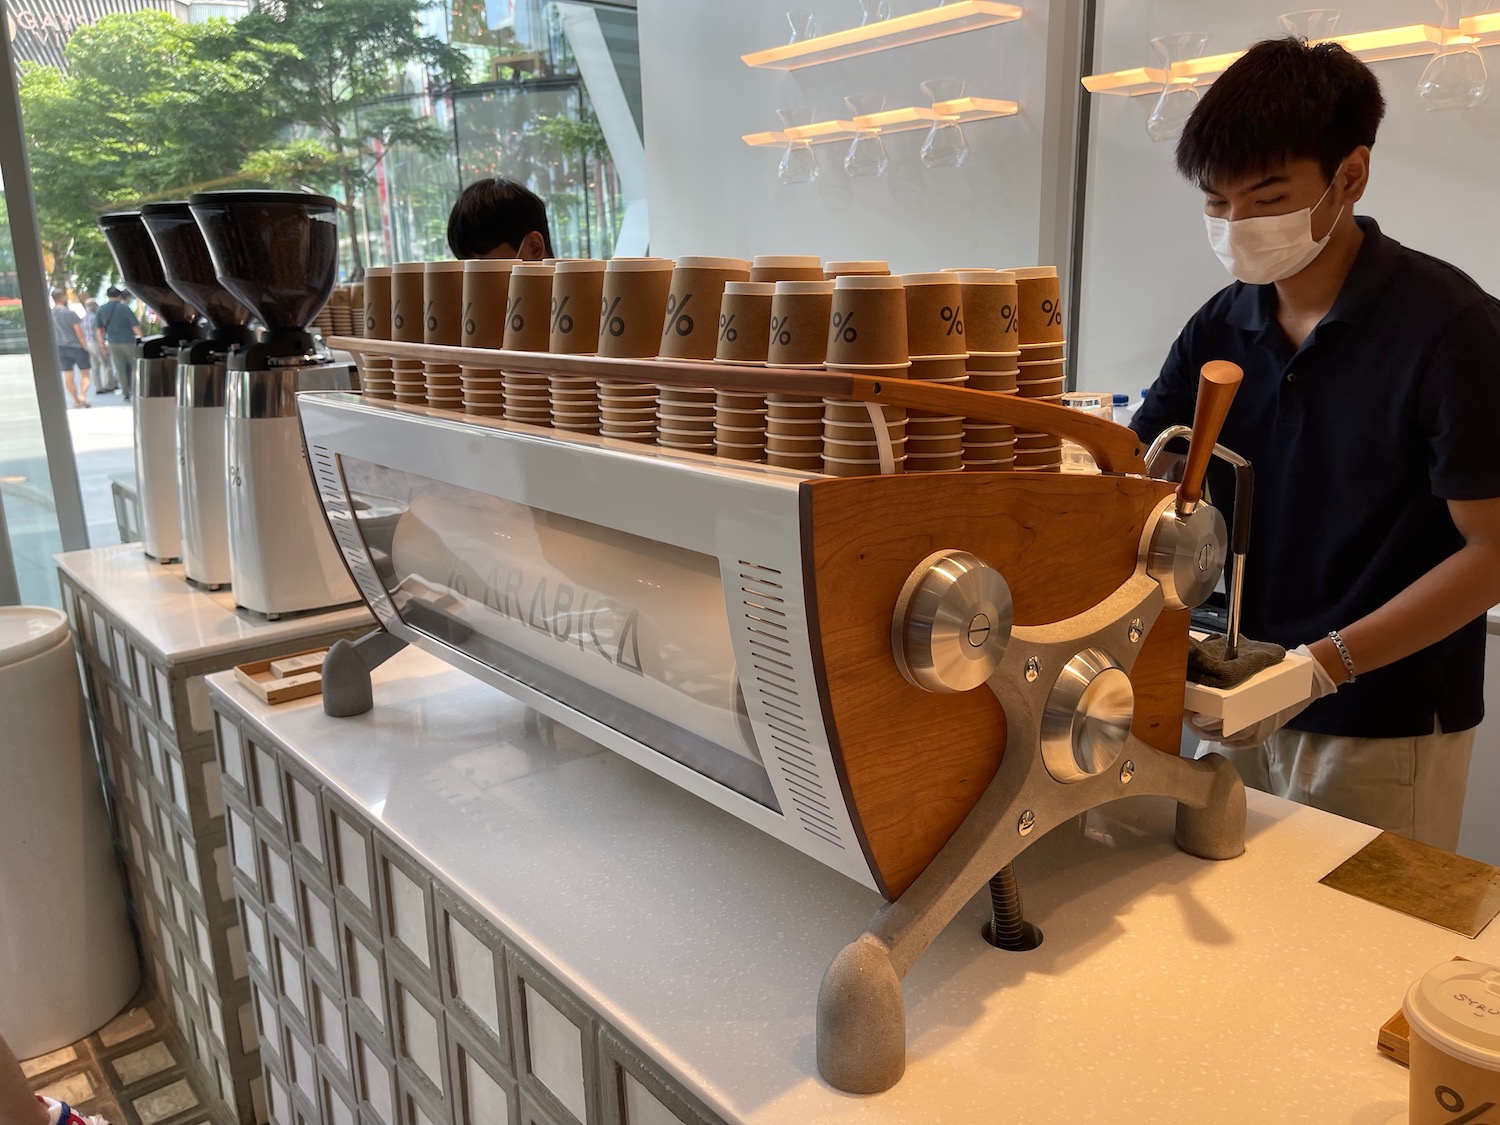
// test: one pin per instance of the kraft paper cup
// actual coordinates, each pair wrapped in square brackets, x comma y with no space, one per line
[744,329]
[990,383]
[485,288]
[869,267]
[442,302]
[378,303]
[633,307]
[577,289]
[1039,305]
[934,314]
[786,267]
[945,369]
[781,443]
[1454,1013]
[989,309]
[528,308]
[407,299]
[690,329]
[1040,388]
[1040,353]
[867,322]
[734,451]
[799,323]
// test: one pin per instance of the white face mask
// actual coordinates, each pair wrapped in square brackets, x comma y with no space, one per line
[1267,248]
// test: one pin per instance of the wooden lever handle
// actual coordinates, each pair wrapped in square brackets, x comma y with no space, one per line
[1217,384]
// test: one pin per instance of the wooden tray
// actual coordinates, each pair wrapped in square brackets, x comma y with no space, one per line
[257,676]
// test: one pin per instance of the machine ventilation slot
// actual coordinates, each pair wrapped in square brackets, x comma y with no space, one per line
[775,683]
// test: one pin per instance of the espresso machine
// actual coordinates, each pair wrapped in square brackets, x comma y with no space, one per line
[276,251]
[201,377]
[155,413]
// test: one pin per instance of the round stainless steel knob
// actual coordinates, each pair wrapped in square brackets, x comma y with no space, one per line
[1087,718]
[952,622]
[1187,555]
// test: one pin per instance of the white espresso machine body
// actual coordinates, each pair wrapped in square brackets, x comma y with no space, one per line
[155,422]
[201,469]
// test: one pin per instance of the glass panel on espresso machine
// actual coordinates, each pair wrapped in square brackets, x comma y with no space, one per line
[627,630]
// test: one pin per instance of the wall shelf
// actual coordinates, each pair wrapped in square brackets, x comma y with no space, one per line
[1371,46]
[884,35]
[961,111]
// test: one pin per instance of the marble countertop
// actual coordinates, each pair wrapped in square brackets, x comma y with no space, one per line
[1167,989]
[182,622]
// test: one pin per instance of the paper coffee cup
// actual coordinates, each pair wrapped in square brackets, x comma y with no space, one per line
[867,322]
[744,328]
[1039,304]
[378,303]
[786,267]
[989,309]
[929,369]
[799,323]
[868,267]
[486,286]
[934,314]
[528,307]
[442,302]
[633,307]
[407,300]
[690,329]
[1454,1013]
[577,289]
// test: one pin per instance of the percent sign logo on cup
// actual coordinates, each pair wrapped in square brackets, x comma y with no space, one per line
[431,319]
[517,321]
[1452,1102]
[608,321]
[1008,314]
[953,317]
[1053,309]
[843,327]
[562,321]
[727,330]
[780,332]
[470,328]
[398,321]
[683,324]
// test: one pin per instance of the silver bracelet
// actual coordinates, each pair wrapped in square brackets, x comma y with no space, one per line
[1338,643]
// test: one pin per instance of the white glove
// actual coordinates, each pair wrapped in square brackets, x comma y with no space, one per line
[1212,730]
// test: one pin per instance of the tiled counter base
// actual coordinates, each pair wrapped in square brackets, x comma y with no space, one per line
[145,642]
[381,997]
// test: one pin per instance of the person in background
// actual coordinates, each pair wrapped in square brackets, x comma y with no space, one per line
[97,354]
[499,219]
[72,348]
[118,329]
[1369,409]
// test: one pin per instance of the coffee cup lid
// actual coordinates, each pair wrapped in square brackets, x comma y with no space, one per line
[867,281]
[377,271]
[1033,271]
[443,267]
[640,265]
[928,279]
[579,265]
[698,262]
[868,266]
[1456,1007]
[409,267]
[788,261]
[749,289]
[804,287]
[490,265]
[985,277]
[534,269]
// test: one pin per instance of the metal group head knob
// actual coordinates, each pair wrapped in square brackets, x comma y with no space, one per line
[1086,721]
[952,622]
[1187,554]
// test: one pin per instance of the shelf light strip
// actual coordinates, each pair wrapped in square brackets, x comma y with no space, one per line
[1371,46]
[960,110]
[883,35]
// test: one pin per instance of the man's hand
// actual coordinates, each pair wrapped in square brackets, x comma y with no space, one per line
[1212,730]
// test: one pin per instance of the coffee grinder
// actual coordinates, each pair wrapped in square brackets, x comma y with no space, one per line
[277,251]
[155,407]
[202,465]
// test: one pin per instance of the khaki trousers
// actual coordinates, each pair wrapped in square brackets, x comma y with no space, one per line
[1411,786]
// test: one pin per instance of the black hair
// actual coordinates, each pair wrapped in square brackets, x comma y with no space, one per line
[1282,100]
[59,295]
[491,212]
[113,292]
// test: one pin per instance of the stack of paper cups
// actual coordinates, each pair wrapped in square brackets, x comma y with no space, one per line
[527,329]
[867,333]
[690,330]
[939,354]
[744,341]
[797,338]
[407,298]
[486,293]
[577,289]
[1040,369]
[786,267]
[990,328]
[442,323]
[870,268]
[375,370]
[630,321]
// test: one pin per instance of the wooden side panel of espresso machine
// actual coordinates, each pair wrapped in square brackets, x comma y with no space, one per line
[915,763]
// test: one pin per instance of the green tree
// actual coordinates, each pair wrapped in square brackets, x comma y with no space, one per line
[343,75]
[150,108]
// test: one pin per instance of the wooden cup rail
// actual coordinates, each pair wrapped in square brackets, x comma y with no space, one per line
[1114,448]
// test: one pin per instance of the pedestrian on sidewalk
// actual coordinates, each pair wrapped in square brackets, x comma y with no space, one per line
[118,329]
[97,354]
[72,348]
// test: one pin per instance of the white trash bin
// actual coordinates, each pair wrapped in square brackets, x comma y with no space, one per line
[68,960]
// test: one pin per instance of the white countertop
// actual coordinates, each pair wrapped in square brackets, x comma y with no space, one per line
[180,621]
[1168,989]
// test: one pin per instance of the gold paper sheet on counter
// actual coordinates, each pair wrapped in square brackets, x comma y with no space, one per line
[1452,891]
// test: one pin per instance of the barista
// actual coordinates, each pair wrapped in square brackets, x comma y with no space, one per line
[1370,409]
[499,219]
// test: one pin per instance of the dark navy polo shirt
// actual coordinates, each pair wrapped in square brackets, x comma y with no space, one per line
[1359,438]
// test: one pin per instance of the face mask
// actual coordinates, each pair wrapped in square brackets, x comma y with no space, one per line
[1268,248]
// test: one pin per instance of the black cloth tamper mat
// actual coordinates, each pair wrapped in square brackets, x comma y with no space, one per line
[1207,664]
